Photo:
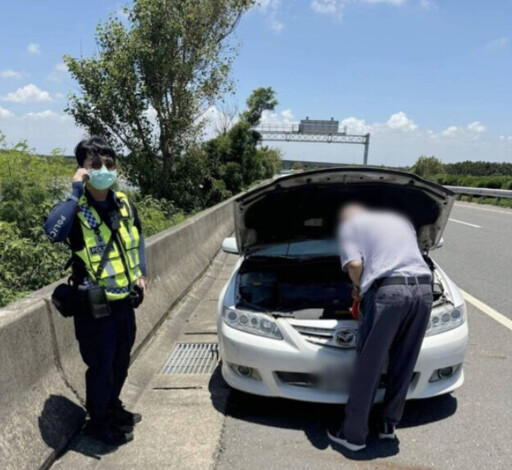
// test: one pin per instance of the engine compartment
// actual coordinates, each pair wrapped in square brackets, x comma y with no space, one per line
[302,288]
[295,287]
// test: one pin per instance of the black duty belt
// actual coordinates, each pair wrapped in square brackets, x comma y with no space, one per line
[401,281]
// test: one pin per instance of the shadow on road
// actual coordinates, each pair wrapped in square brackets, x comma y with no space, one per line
[59,421]
[314,418]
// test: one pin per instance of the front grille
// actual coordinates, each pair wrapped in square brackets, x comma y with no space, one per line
[192,358]
[328,336]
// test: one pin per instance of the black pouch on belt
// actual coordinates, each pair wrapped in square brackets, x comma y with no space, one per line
[97,302]
[63,297]
[69,299]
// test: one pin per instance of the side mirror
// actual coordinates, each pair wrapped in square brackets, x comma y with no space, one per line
[229,245]
[440,244]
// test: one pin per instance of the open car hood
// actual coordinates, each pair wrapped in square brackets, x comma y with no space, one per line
[304,206]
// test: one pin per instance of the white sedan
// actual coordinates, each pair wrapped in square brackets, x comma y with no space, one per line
[284,322]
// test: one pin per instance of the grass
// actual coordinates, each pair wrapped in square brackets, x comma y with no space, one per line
[488,200]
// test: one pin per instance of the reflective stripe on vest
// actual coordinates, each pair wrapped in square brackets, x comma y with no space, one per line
[121,269]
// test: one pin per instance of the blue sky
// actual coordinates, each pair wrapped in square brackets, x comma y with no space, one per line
[422,76]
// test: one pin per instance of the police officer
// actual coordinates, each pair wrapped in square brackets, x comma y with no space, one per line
[92,214]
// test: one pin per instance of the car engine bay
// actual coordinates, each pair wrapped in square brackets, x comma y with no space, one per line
[302,288]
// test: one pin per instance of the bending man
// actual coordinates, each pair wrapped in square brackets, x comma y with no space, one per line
[380,251]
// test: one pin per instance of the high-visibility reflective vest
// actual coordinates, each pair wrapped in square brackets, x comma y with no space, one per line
[121,268]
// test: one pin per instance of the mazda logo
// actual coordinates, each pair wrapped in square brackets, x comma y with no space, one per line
[345,338]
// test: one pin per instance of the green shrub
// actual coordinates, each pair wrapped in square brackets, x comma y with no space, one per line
[156,215]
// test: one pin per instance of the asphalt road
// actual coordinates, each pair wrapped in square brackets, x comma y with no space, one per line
[477,253]
[196,422]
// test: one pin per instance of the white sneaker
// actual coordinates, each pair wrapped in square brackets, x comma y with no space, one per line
[339,439]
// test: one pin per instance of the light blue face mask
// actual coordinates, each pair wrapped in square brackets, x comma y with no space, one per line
[102,178]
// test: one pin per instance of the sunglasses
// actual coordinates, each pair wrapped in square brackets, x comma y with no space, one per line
[97,162]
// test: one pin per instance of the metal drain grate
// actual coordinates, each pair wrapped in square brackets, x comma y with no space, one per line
[192,358]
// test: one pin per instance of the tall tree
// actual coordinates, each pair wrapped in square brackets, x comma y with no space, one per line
[261,99]
[235,156]
[152,78]
[428,167]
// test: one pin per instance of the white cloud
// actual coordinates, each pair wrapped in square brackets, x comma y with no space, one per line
[34,49]
[270,9]
[450,131]
[283,119]
[399,121]
[329,7]
[476,127]
[59,96]
[497,43]
[428,4]
[5,113]
[10,74]
[28,93]
[42,115]
[336,7]
[58,73]
[355,125]
[471,132]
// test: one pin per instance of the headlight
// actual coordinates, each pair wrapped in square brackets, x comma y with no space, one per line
[251,322]
[445,318]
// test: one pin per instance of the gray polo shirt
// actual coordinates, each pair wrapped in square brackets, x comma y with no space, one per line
[385,242]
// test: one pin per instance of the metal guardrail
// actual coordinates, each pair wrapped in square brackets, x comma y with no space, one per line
[485,192]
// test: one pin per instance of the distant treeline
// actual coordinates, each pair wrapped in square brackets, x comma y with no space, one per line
[479,168]
[425,166]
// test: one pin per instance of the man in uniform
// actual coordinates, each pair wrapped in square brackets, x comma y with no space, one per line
[379,249]
[93,220]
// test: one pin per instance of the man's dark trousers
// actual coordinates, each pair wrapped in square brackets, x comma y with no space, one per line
[105,346]
[392,323]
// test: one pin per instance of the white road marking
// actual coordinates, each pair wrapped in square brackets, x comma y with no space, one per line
[500,318]
[475,206]
[465,223]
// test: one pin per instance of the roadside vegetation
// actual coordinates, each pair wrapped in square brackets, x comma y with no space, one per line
[470,174]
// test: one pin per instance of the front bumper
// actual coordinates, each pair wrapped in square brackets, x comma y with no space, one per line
[295,356]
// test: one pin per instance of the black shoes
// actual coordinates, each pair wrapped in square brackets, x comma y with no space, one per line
[122,417]
[108,435]
[386,431]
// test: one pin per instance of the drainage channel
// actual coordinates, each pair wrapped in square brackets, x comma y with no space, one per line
[192,358]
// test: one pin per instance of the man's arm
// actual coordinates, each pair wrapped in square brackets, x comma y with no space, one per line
[355,271]
[351,256]
[59,222]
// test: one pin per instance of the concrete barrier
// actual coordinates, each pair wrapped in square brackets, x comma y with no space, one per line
[41,372]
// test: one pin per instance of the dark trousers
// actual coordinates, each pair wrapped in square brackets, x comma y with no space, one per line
[392,324]
[105,346]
